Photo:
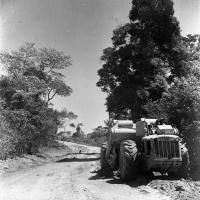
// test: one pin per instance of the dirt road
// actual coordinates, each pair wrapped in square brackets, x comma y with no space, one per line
[75,177]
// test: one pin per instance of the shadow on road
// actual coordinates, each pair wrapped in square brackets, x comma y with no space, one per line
[76,159]
[140,181]
[82,153]
[115,179]
[101,174]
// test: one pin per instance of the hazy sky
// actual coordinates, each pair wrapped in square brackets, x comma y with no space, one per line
[82,29]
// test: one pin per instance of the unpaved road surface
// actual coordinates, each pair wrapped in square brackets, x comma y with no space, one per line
[74,177]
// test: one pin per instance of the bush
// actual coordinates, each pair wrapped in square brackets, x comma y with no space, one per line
[24,131]
[181,106]
[7,147]
[193,142]
[33,79]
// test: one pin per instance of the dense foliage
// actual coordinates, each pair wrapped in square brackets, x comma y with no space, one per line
[153,71]
[139,65]
[95,138]
[32,81]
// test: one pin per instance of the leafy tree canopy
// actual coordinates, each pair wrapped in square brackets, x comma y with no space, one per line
[65,117]
[147,55]
[34,70]
[33,79]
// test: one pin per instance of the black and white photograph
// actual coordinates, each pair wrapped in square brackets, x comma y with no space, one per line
[99,99]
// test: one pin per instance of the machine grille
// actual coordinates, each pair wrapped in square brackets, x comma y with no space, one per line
[166,149]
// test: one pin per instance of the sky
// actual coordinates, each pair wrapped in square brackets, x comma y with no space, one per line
[81,29]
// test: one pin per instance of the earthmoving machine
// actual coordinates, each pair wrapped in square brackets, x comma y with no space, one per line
[147,146]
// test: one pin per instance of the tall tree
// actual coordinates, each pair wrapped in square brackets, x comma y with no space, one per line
[32,81]
[37,70]
[65,117]
[78,132]
[139,65]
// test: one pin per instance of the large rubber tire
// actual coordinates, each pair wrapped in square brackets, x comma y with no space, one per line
[184,170]
[103,160]
[128,160]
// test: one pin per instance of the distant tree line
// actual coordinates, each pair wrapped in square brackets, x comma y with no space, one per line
[151,70]
[34,77]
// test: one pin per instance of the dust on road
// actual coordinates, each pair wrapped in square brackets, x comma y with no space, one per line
[74,177]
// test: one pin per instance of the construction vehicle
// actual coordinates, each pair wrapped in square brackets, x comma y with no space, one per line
[147,146]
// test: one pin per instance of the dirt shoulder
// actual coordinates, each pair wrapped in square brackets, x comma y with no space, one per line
[178,189]
[45,155]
